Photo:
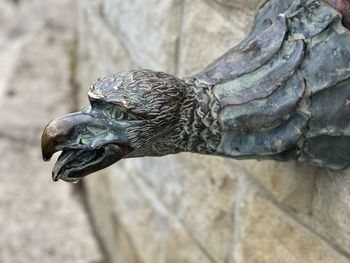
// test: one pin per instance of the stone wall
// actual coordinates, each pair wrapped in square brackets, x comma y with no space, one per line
[193,208]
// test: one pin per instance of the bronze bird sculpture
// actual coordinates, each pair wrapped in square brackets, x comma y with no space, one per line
[283,93]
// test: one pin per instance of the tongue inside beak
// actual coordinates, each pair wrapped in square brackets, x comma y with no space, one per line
[72,165]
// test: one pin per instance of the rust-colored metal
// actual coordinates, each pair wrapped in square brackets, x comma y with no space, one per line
[343,6]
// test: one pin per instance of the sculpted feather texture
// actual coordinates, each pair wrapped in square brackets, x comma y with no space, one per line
[283,93]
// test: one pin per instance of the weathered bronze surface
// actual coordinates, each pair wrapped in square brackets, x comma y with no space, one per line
[283,93]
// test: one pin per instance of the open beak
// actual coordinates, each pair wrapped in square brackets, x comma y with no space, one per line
[88,144]
[59,131]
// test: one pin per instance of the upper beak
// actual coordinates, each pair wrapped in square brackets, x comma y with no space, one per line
[60,130]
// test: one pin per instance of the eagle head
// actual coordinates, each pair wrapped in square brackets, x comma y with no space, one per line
[129,114]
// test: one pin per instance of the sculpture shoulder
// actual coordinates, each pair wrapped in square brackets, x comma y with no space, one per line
[277,22]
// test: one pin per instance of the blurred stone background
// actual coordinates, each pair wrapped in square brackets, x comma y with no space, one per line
[180,208]
[40,221]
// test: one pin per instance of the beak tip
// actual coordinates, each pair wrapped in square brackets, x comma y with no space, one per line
[55,177]
[46,155]
[45,149]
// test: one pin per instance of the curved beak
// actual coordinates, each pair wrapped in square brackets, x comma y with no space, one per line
[88,144]
[58,131]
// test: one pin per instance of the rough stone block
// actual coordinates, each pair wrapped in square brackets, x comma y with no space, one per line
[330,211]
[268,234]
[100,52]
[149,29]
[156,233]
[291,183]
[318,197]
[198,190]
[207,34]
[114,239]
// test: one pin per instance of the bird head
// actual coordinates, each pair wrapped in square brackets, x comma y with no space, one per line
[129,113]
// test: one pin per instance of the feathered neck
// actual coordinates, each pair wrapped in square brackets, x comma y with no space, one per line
[196,129]
[200,132]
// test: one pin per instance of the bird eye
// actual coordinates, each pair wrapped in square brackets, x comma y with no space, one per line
[118,114]
[122,115]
